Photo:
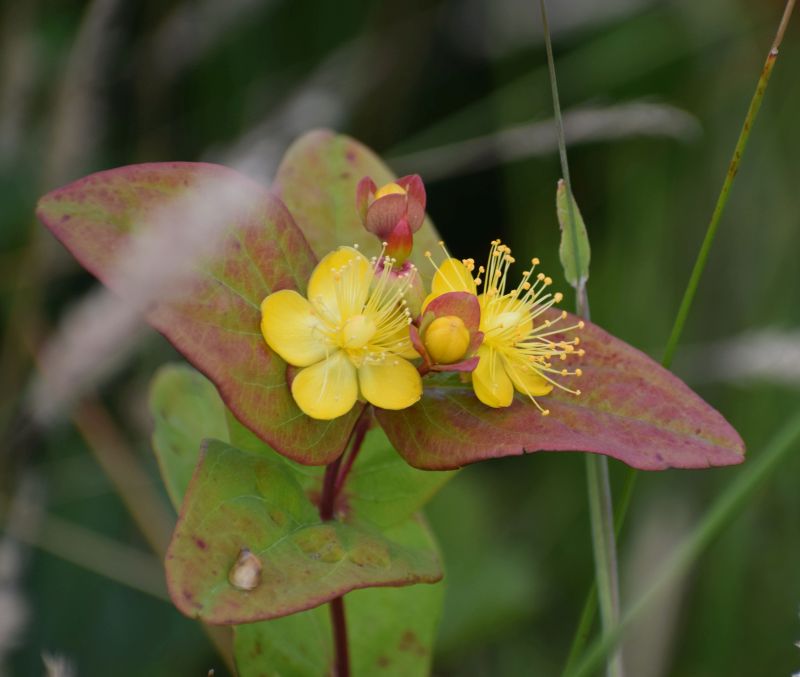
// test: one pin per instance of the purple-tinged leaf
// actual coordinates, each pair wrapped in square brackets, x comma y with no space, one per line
[631,409]
[197,247]
[245,507]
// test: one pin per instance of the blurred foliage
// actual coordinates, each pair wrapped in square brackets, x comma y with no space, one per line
[90,85]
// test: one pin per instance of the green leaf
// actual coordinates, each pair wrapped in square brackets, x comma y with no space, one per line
[392,630]
[391,633]
[631,409]
[317,181]
[574,249]
[382,488]
[240,502]
[209,307]
[185,408]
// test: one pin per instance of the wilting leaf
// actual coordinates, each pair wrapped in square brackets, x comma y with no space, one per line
[630,408]
[317,181]
[238,501]
[574,249]
[217,244]
[391,632]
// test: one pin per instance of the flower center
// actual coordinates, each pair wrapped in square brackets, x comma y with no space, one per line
[447,339]
[357,332]
[507,320]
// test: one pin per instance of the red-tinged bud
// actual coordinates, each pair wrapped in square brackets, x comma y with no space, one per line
[381,209]
[365,194]
[449,332]
[400,242]
[415,194]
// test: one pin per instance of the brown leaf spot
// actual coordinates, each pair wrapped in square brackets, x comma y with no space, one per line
[411,644]
[200,543]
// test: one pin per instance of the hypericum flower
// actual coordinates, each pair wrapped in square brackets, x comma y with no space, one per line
[518,349]
[350,337]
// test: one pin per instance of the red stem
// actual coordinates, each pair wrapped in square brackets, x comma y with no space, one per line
[332,485]
[341,667]
[327,502]
[359,433]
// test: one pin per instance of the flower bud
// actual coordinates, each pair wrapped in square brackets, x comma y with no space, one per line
[381,209]
[400,242]
[447,339]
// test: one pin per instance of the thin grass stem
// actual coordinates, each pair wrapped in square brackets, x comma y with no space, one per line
[590,605]
[597,476]
[722,513]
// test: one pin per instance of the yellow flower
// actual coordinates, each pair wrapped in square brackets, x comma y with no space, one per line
[350,336]
[517,352]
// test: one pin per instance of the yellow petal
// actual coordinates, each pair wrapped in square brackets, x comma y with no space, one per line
[452,275]
[292,329]
[392,384]
[340,284]
[526,379]
[327,389]
[490,381]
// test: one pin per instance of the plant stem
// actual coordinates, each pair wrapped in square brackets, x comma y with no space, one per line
[327,502]
[332,484]
[342,654]
[590,605]
[359,433]
[605,555]
[722,513]
[581,637]
[597,476]
[722,199]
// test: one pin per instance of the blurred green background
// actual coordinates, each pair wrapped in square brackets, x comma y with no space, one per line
[654,94]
